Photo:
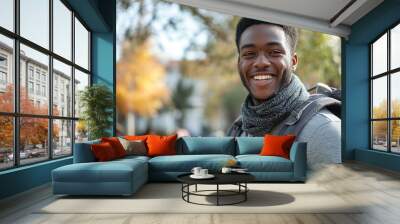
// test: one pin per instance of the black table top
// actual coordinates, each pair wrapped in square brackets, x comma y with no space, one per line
[220,178]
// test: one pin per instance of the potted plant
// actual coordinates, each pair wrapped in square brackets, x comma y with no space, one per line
[96,102]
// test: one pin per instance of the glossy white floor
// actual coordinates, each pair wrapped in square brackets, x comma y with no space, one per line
[377,188]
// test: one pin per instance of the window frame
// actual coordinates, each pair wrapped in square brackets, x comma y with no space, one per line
[16,114]
[388,74]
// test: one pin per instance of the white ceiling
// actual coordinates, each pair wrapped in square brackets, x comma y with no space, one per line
[318,15]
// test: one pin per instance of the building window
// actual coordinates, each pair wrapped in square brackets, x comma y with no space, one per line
[3,78]
[44,91]
[3,70]
[385,97]
[30,87]
[44,77]
[37,74]
[38,89]
[3,61]
[35,54]
[30,72]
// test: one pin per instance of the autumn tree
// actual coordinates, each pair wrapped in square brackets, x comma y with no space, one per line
[319,58]
[33,130]
[141,87]
[380,127]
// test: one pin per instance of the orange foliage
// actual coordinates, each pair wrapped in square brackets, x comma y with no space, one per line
[141,87]
[33,130]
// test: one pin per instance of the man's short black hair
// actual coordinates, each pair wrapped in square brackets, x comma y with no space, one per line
[244,23]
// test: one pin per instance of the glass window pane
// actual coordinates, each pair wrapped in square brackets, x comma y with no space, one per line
[62,89]
[81,131]
[6,142]
[34,72]
[379,135]
[33,139]
[379,97]
[395,94]
[81,81]
[395,136]
[81,45]
[35,21]
[379,55]
[6,74]
[395,47]
[62,29]
[7,14]
[62,138]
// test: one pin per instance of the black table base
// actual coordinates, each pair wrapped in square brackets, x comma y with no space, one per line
[241,191]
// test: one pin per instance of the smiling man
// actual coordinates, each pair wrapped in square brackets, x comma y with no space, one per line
[278,103]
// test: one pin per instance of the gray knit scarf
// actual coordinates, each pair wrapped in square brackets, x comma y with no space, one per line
[258,120]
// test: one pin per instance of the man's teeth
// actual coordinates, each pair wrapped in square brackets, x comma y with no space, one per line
[262,77]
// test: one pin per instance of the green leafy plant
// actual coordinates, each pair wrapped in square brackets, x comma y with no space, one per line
[96,102]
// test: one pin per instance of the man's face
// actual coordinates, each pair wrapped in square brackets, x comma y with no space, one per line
[265,60]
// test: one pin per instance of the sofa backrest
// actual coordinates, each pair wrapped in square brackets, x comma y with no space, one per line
[249,145]
[206,145]
[83,152]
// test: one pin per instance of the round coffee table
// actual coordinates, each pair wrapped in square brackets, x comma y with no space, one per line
[238,179]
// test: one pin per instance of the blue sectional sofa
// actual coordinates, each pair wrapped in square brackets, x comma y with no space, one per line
[125,176]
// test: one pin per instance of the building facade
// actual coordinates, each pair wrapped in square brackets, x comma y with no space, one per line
[34,81]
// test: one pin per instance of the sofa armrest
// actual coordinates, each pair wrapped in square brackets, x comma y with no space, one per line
[83,152]
[298,155]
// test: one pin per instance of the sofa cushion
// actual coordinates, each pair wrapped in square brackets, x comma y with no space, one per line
[185,163]
[206,145]
[132,158]
[112,171]
[249,145]
[257,163]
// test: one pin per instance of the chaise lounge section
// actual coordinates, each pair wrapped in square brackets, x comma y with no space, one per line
[125,176]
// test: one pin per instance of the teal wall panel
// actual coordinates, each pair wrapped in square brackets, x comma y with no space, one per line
[103,64]
[356,84]
[104,53]
[24,178]
[89,11]
[103,59]
[376,158]
[356,123]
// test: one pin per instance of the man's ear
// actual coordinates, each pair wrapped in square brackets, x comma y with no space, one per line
[294,61]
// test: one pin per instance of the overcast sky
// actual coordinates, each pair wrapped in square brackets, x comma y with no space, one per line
[35,27]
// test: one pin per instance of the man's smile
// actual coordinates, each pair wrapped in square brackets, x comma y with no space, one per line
[261,79]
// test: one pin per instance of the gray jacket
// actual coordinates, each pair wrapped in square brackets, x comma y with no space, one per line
[322,132]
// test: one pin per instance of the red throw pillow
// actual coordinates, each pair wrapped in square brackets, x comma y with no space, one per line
[277,145]
[103,152]
[116,145]
[161,145]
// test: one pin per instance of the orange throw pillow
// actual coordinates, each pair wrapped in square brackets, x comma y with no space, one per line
[277,145]
[136,137]
[116,145]
[103,152]
[161,145]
